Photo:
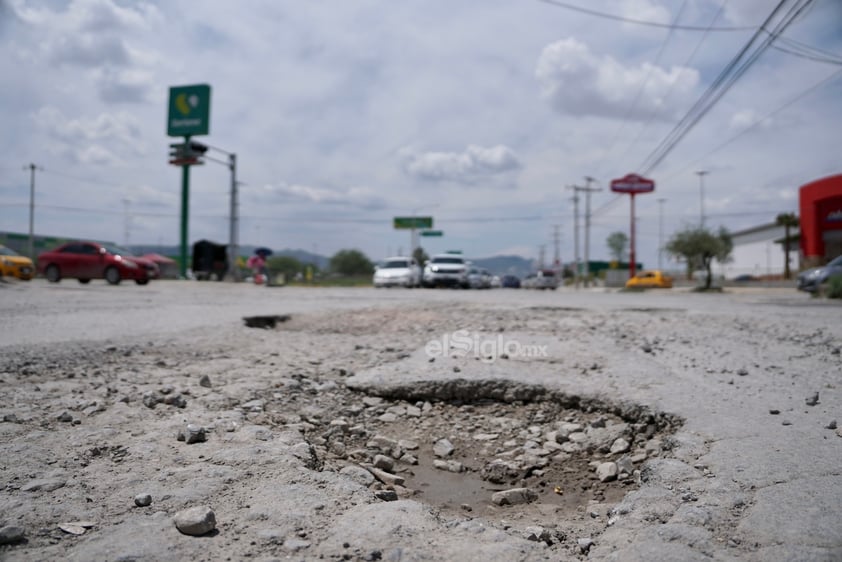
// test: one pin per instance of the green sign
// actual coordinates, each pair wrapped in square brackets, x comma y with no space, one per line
[413,222]
[189,112]
[432,233]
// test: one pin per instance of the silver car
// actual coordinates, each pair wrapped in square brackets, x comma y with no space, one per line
[446,269]
[811,279]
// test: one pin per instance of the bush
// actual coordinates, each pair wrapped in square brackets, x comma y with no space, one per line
[834,287]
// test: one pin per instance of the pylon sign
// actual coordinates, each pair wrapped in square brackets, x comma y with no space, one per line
[189,110]
[632,183]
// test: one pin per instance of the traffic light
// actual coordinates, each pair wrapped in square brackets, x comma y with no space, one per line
[187,153]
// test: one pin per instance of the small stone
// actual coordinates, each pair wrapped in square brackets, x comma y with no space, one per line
[192,434]
[743,372]
[386,495]
[65,417]
[142,500]
[383,462]
[294,545]
[358,474]
[205,381]
[607,471]
[619,445]
[195,521]
[813,399]
[786,422]
[514,496]
[11,534]
[443,448]
[831,425]
[449,465]
[585,545]
[774,411]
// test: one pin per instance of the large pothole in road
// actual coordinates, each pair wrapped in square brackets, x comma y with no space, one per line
[499,450]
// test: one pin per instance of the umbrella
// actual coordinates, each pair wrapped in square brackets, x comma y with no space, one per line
[263,252]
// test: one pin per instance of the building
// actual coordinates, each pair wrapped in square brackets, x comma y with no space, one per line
[820,205]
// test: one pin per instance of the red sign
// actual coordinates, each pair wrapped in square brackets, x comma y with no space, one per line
[632,183]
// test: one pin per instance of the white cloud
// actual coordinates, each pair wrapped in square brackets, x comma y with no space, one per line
[473,163]
[578,82]
[360,197]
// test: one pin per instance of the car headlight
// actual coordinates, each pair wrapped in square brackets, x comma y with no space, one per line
[130,264]
[434,269]
[6,262]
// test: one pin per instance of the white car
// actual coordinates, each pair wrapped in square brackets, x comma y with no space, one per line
[398,272]
[446,269]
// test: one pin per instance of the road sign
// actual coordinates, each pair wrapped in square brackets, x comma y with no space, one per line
[189,112]
[432,233]
[413,222]
[632,183]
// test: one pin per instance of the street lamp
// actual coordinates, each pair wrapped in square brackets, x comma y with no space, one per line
[702,174]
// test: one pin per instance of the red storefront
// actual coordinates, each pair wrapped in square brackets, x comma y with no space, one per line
[820,205]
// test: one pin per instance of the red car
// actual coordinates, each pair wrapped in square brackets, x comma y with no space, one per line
[90,260]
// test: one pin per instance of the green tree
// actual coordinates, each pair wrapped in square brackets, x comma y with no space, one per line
[786,220]
[287,265]
[699,247]
[351,263]
[617,242]
[420,256]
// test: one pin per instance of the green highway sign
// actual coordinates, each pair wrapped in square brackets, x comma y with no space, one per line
[413,222]
[432,233]
[189,112]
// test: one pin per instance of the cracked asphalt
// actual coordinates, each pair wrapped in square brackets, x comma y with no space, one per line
[753,472]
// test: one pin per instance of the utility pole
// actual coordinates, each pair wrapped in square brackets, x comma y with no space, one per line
[587,189]
[556,243]
[541,250]
[660,231]
[576,271]
[127,218]
[702,174]
[234,220]
[31,244]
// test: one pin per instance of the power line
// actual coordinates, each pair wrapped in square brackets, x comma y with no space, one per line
[623,19]
[726,79]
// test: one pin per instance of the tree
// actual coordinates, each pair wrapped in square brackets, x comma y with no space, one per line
[700,246]
[786,220]
[617,242]
[420,256]
[287,265]
[350,263]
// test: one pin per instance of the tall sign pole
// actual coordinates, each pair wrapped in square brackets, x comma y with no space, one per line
[189,115]
[632,184]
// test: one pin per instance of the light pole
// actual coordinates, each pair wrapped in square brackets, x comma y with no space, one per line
[234,212]
[702,174]
[31,245]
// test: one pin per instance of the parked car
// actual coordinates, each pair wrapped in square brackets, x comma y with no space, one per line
[90,260]
[510,281]
[479,278]
[12,264]
[652,279]
[398,271]
[446,269]
[541,279]
[810,280]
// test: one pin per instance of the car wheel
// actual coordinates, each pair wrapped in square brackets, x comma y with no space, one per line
[84,281]
[53,273]
[112,276]
[141,281]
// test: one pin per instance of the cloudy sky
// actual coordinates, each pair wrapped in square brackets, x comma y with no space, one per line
[345,114]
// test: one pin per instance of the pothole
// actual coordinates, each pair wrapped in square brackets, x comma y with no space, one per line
[460,446]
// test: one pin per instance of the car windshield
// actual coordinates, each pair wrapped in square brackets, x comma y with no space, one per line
[448,260]
[4,251]
[396,264]
[837,261]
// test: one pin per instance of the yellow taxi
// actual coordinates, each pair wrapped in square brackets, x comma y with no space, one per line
[652,279]
[13,264]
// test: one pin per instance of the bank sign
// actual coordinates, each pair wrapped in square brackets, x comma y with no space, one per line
[189,112]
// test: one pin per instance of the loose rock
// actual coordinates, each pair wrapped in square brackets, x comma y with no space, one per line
[142,500]
[11,534]
[514,496]
[195,521]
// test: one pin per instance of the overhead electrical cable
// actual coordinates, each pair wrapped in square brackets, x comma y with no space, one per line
[623,19]
[735,69]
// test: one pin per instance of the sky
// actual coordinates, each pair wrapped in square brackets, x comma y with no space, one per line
[482,115]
